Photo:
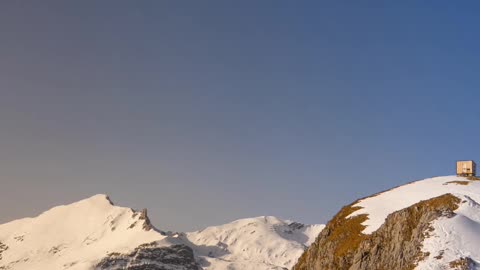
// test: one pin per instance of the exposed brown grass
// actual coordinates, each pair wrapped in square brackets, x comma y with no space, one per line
[349,230]
[345,233]
[464,183]
[343,236]
[445,201]
[461,264]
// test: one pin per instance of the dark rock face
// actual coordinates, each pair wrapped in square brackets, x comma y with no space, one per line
[296,226]
[151,257]
[147,225]
[144,220]
[396,244]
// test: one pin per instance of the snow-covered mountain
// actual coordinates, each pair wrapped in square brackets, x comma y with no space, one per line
[429,224]
[95,234]
[253,243]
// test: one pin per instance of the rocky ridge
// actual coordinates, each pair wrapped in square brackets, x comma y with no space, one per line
[429,224]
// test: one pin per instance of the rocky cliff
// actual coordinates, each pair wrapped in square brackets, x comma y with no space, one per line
[403,228]
[395,245]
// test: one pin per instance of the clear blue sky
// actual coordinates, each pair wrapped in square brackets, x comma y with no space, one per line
[208,111]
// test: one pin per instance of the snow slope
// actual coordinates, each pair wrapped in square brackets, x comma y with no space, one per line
[78,236]
[72,237]
[253,243]
[451,238]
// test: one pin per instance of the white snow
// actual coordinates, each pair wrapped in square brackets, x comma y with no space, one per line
[452,238]
[254,243]
[79,235]
[455,237]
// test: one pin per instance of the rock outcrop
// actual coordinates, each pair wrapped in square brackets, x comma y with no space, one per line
[143,217]
[397,244]
[151,257]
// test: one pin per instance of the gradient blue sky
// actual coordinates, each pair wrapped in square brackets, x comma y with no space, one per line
[208,111]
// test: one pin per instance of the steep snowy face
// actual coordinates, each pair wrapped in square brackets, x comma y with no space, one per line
[75,236]
[379,206]
[254,243]
[451,238]
[455,239]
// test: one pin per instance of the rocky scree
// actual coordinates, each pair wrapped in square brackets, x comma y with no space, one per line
[151,257]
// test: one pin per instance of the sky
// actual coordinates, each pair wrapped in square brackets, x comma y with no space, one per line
[205,112]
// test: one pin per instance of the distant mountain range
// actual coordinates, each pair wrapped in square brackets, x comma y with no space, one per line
[432,224]
[95,234]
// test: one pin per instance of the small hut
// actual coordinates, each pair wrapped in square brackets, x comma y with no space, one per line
[466,168]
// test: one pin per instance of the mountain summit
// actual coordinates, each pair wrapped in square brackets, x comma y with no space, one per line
[428,224]
[74,236]
[95,234]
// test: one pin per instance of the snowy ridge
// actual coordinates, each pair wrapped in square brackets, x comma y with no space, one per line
[80,235]
[73,236]
[451,238]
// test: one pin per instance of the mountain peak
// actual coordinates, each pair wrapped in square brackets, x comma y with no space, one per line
[96,234]
[91,227]
[380,205]
[427,224]
[97,199]
[235,245]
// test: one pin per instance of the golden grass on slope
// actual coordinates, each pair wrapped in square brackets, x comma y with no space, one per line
[461,264]
[342,238]
[349,230]
[464,183]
